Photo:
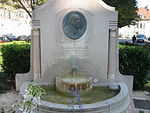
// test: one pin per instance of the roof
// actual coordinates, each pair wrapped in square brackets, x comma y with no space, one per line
[144,13]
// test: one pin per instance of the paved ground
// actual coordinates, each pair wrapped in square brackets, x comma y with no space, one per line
[141,101]
[7,100]
[142,104]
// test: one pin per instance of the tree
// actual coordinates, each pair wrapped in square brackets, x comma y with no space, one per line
[27,5]
[127,10]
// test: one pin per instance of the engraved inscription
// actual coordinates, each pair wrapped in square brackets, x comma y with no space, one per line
[77,49]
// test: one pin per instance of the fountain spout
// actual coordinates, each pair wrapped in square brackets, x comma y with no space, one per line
[74,69]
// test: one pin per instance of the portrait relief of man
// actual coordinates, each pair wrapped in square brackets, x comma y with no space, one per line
[74,25]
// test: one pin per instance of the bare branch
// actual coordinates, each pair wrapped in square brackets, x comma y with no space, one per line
[25,9]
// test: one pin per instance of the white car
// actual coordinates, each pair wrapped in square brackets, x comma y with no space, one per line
[140,38]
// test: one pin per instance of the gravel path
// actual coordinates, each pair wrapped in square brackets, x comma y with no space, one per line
[7,100]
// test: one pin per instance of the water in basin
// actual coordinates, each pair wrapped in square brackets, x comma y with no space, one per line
[96,94]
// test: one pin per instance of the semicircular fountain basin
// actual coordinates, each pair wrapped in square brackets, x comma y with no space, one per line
[116,104]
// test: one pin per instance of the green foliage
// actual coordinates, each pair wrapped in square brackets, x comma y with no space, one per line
[35,90]
[27,106]
[15,58]
[27,5]
[33,93]
[2,110]
[127,11]
[147,45]
[141,111]
[147,87]
[135,61]
[128,44]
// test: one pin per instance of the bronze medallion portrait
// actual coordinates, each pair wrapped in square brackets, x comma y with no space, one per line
[74,25]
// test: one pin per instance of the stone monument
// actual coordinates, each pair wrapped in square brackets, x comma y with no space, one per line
[75,35]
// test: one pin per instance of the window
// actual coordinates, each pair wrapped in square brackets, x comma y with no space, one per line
[137,25]
[140,25]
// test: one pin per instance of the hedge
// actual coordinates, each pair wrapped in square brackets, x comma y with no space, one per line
[134,60]
[15,58]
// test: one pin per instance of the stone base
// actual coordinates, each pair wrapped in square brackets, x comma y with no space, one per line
[117,104]
[67,84]
[22,78]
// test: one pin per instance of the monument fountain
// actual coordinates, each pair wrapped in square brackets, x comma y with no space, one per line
[74,79]
[74,48]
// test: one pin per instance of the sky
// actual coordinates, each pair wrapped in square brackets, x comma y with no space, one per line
[143,3]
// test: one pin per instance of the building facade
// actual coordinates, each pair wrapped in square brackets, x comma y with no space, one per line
[141,27]
[16,22]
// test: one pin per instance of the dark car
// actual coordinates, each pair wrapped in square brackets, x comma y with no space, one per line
[12,37]
[5,39]
[24,38]
[29,38]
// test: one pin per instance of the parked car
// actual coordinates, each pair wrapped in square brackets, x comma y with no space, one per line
[5,39]
[29,38]
[24,38]
[140,38]
[10,36]
[148,38]
[128,36]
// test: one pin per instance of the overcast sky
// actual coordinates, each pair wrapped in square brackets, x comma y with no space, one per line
[143,3]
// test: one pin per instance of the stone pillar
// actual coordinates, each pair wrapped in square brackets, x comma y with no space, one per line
[112,54]
[36,56]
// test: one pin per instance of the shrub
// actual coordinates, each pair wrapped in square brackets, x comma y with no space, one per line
[141,111]
[2,110]
[33,93]
[147,45]
[147,87]
[134,61]
[15,58]
[128,44]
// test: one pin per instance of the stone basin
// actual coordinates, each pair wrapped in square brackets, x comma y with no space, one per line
[66,83]
[117,104]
